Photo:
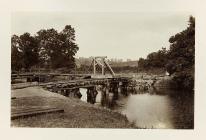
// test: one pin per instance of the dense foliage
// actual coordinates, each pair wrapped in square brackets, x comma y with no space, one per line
[153,60]
[178,60]
[48,49]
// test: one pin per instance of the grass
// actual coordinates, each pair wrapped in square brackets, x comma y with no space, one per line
[77,114]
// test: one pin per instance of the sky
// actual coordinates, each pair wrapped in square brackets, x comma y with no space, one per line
[121,35]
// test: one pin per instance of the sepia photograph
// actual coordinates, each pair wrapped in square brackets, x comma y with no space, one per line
[130,70]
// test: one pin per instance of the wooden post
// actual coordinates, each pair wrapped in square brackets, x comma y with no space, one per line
[62,92]
[67,92]
[115,91]
[103,95]
[109,95]
[94,94]
[91,95]
[124,89]
[88,95]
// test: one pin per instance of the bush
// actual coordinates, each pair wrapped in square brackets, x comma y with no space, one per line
[183,80]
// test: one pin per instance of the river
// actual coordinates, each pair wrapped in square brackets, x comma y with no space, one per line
[154,110]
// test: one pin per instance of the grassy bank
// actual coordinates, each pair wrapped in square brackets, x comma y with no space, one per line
[77,114]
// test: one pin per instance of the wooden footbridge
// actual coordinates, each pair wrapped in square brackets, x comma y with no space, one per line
[110,87]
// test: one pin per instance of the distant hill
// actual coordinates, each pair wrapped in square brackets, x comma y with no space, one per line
[124,64]
[113,62]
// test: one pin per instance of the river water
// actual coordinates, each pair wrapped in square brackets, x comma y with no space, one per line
[154,110]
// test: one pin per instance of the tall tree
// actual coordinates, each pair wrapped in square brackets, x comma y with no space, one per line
[50,47]
[182,49]
[182,56]
[58,49]
[178,60]
[69,47]
[16,54]
[29,48]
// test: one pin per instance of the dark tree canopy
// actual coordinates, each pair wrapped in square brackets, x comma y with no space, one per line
[182,49]
[48,49]
[29,48]
[16,54]
[178,60]
[154,60]
[24,52]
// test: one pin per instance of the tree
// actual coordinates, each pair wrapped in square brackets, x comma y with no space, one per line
[69,47]
[50,47]
[16,54]
[154,60]
[58,49]
[182,56]
[29,49]
[182,47]
[178,60]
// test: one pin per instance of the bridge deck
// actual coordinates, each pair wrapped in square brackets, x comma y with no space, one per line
[45,74]
[84,82]
[68,84]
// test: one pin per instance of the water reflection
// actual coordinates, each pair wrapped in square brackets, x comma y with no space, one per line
[151,110]
[84,95]
[148,111]
[159,111]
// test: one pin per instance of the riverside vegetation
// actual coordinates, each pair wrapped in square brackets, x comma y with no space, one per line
[49,48]
[178,60]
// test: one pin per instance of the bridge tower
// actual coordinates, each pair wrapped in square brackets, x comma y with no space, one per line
[101,61]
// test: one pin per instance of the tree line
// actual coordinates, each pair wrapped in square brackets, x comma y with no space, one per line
[48,48]
[51,49]
[178,60]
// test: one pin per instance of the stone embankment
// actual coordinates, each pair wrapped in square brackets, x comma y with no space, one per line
[143,83]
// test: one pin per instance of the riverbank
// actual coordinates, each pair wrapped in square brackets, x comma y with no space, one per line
[148,82]
[77,114]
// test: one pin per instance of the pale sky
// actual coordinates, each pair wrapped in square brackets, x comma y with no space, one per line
[122,35]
